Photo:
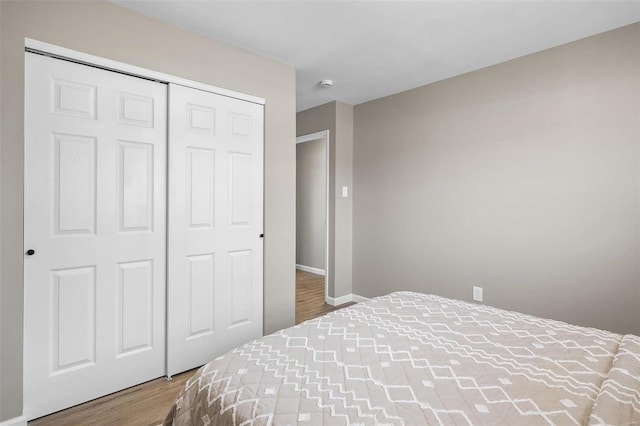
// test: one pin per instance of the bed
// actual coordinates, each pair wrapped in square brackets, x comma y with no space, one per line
[415,359]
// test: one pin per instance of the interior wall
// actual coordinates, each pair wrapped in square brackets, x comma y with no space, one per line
[338,119]
[311,203]
[112,32]
[522,178]
[1,237]
[344,205]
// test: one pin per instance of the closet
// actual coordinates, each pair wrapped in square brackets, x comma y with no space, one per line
[143,212]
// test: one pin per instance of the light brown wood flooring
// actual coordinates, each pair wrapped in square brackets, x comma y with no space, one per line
[149,403]
[310,297]
[145,404]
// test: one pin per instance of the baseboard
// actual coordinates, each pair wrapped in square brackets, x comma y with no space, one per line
[357,298]
[310,269]
[335,301]
[16,421]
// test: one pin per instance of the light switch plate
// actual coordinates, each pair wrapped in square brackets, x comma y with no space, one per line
[477,294]
[345,191]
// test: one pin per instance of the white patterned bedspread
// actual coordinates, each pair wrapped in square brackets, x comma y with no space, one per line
[415,359]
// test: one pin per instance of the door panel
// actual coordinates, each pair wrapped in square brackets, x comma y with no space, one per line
[95,214]
[215,222]
[201,300]
[74,184]
[241,288]
[73,309]
[134,307]
[135,186]
[200,188]
[240,197]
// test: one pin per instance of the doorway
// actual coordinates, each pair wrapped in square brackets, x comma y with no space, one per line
[312,215]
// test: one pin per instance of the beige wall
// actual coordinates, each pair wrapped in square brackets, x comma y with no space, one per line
[1,234]
[311,203]
[115,33]
[338,119]
[344,206]
[522,178]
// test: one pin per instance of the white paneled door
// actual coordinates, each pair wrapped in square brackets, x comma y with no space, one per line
[215,226]
[95,232]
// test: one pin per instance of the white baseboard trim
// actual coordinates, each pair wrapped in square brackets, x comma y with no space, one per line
[310,269]
[335,301]
[16,421]
[357,298]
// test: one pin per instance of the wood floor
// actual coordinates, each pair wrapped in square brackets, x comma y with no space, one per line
[149,403]
[310,297]
[145,404]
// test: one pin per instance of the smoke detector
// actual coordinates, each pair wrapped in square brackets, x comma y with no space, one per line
[325,84]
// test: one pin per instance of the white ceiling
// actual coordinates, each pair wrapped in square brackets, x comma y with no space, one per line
[373,49]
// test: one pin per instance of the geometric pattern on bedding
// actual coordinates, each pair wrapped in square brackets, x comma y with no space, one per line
[408,359]
[618,402]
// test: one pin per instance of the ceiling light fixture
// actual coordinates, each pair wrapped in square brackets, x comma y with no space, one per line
[325,84]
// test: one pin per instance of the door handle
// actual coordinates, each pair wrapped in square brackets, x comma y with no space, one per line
[261,235]
[31,252]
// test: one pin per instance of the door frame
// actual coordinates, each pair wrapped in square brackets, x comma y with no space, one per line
[323,134]
[40,47]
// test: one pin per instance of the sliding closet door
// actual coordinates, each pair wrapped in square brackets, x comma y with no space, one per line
[215,226]
[95,233]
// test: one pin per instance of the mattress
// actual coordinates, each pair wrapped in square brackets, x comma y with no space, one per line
[415,359]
